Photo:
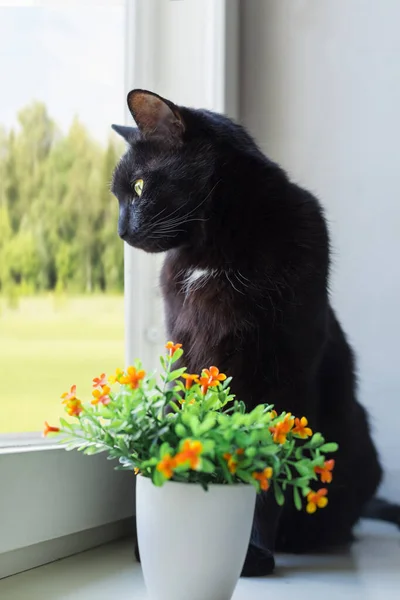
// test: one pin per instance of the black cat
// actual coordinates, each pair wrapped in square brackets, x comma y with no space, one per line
[245,283]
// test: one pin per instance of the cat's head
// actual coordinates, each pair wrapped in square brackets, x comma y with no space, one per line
[164,181]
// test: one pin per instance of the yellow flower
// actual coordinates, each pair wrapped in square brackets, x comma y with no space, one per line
[132,378]
[191,378]
[301,430]
[166,466]
[281,429]
[71,395]
[317,500]
[191,451]
[74,407]
[210,378]
[263,477]
[326,471]
[73,404]
[172,347]
[231,462]
[117,377]
[101,396]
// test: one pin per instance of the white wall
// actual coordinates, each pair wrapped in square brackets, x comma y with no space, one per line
[320,90]
[185,51]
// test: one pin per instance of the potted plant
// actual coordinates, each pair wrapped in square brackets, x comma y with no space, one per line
[199,466]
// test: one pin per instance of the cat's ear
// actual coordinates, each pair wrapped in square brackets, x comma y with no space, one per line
[128,133]
[155,116]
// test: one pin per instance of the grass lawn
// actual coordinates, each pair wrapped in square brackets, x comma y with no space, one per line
[47,344]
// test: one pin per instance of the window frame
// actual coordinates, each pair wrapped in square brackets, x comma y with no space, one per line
[91,478]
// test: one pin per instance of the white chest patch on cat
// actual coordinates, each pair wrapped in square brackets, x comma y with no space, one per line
[194,279]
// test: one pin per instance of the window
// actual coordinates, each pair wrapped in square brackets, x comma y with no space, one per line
[61,274]
[52,502]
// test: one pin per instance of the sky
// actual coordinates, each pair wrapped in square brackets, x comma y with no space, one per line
[70,57]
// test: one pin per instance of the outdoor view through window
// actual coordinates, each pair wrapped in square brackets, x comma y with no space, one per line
[61,261]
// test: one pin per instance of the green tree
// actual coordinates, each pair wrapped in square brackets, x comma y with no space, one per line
[57,216]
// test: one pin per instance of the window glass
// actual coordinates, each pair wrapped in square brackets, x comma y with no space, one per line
[61,261]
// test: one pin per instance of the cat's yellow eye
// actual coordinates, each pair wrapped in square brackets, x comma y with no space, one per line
[138,187]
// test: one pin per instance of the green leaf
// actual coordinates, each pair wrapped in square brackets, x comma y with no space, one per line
[225,469]
[194,425]
[66,425]
[297,500]
[288,472]
[158,478]
[280,498]
[245,476]
[176,356]
[316,441]
[176,374]
[302,481]
[94,449]
[269,450]
[207,466]
[331,447]
[251,452]
[303,469]
[181,430]
[208,447]
[122,445]
[207,424]
[165,449]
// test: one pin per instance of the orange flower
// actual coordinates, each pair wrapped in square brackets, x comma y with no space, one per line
[49,429]
[101,396]
[100,381]
[191,451]
[190,379]
[132,378]
[71,395]
[263,477]
[73,404]
[273,414]
[240,451]
[166,466]
[210,378]
[326,471]
[301,429]
[317,500]
[117,377]
[282,428]
[231,462]
[172,347]
[74,407]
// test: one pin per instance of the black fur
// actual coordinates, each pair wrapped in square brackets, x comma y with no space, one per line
[261,309]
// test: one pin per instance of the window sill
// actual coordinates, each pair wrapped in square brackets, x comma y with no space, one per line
[54,494]
[110,572]
[26,442]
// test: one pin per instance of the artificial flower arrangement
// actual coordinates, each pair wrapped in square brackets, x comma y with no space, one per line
[206,437]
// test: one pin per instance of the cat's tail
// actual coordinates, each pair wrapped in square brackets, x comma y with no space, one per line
[383,510]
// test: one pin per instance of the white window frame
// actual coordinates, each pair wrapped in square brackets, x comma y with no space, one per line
[54,503]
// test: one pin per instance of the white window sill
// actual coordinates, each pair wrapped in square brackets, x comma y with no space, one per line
[369,572]
[55,503]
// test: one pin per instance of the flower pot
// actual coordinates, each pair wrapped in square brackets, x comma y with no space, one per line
[193,543]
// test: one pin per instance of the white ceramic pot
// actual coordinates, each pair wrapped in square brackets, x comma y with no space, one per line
[193,543]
